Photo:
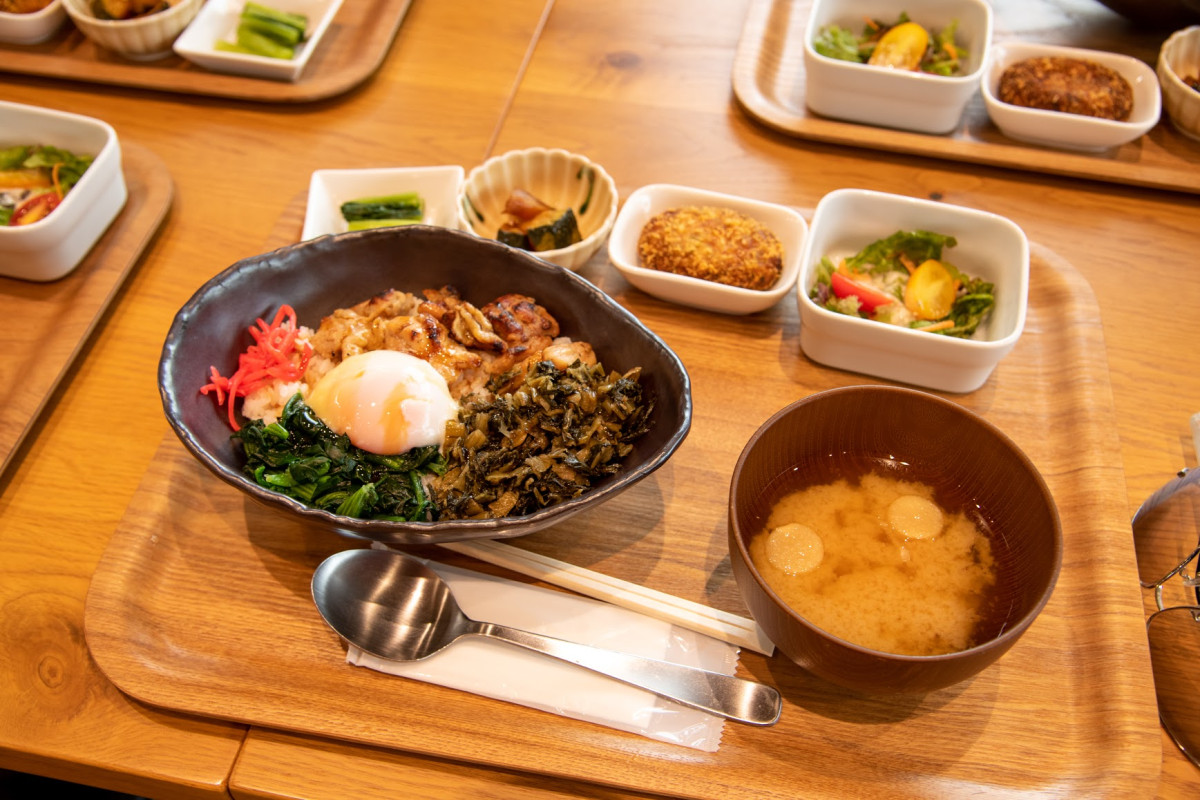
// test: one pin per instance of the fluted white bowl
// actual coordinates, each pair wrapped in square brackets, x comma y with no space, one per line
[554,176]
[141,39]
[1180,58]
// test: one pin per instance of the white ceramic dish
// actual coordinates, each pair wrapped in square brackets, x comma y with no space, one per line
[787,225]
[896,98]
[32,28]
[142,39]
[1180,58]
[989,247]
[554,176]
[50,248]
[329,188]
[1064,130]
[218,20]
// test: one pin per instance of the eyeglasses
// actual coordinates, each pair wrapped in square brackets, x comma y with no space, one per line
[1162,531]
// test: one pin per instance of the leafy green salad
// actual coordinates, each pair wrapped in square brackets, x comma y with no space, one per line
[903,44]
[903,280]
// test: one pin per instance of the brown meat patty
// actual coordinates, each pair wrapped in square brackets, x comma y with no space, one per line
[714,244]
[1072,85]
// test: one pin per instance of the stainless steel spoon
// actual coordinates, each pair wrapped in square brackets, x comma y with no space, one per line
[393,606]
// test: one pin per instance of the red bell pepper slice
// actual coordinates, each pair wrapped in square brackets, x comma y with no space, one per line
[868,299]
[34,209]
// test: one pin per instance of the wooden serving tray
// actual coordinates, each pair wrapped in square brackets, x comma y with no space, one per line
[768,80]
[44,326]
[351,50]
[202,601]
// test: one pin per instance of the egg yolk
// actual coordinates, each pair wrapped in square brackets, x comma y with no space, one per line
[386,402]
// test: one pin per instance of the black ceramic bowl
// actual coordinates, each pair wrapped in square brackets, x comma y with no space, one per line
[320,275]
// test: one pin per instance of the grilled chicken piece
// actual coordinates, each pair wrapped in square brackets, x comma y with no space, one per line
[426,338]
[465,344]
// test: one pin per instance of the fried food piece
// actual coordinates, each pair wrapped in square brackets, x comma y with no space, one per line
[714,244]
[1070,85]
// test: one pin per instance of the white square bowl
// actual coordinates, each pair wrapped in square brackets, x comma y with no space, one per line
[1065,130]
[32,28]
[892,98]
[786,223]
[989,247]
[53,246]
[218,20]
[145,38]
[329,188]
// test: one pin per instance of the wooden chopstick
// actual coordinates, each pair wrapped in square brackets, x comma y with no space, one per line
[697,617]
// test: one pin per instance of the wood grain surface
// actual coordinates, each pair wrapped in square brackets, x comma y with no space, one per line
[352,49]
[769,80]
[43,326]
[170,620]
[646,90]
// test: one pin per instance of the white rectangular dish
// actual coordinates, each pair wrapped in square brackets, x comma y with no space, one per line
[218,20]
[329,188]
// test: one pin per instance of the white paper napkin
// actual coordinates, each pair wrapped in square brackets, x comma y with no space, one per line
[506,672]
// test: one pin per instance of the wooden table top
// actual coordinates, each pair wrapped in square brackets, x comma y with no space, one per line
[645,90]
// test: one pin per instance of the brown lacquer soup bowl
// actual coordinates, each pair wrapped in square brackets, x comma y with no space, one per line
[320,275]
[970,468]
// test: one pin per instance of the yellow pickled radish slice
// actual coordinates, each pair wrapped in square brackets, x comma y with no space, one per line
[929,293]
[902,47]
[915,517]
[795,549]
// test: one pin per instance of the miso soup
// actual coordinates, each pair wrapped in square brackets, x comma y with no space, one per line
[876,556]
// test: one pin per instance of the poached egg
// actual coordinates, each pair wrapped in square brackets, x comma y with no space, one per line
[385,401]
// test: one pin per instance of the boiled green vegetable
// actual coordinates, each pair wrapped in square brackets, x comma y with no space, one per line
[379,212]
[299,456]
[265,31]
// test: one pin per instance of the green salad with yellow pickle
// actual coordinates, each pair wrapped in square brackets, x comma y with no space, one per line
[904,280]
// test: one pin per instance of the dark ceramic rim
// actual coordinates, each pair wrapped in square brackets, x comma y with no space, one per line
[1011,633]
[433,532]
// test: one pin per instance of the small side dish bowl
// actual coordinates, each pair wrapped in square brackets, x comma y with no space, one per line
[1178,59]
[50,248]
[34,27]
[988,246]
[141,39]
[786,223]
[218,21]
[896,98]
[1066,130]
[970,465]
[331,272]
[330,188]
[556,177]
